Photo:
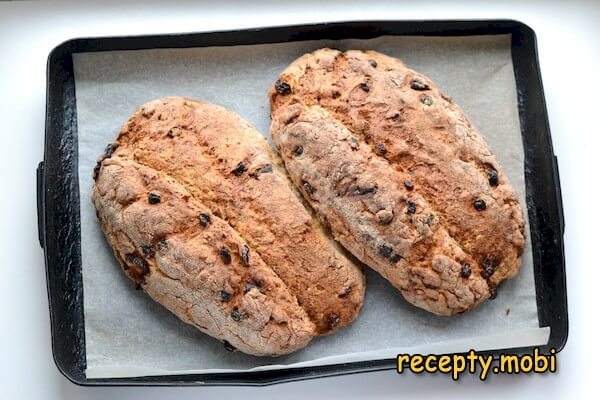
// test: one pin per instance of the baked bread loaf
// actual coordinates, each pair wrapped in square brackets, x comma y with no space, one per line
[406,183]
[202,217]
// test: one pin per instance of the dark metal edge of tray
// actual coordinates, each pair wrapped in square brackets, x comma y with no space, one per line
[58,192]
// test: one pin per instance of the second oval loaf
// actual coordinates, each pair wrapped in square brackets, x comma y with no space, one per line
[194,200]
[405,181]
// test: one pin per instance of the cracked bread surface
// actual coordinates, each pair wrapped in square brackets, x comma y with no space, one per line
[200,215]
[406,183]
[181,264]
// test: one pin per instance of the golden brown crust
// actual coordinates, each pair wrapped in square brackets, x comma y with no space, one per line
[196,271]
[228,168]
[370,109]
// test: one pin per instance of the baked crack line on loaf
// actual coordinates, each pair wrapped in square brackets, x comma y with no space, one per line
[189,267]
[206,219]
[224,165]
[435,150]
[263,208]
[351,200]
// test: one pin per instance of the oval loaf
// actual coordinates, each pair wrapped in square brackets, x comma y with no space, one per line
[404,180]
[201,216]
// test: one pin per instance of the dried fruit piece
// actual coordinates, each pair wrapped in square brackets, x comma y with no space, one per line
[479,205]
[282,87]
[265,169]
[427,100]
[225,254]
[298,150]
[225,295]
[153,198]
[411,207]
[148,251]
[385,250]
[162,245]
[245,254]
[347,291]
[309,189]
[228,346]
[138,262]
[204,219]
[380,149]
[465,270]
[489,266]
[333,319]
[261,170]
[493,177]
[366,190]
[373,63]
[240,169]
[97,170]
[110,149]
[364,87]
[409,185]
[236,315]
[417,84]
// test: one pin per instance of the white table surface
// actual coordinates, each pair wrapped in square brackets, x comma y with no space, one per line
[568,33]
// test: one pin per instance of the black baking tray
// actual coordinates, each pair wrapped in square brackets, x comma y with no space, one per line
[58,191]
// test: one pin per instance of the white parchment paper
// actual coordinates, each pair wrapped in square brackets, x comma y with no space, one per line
[127,334]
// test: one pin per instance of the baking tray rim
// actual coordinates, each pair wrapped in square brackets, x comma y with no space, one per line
[332,30]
